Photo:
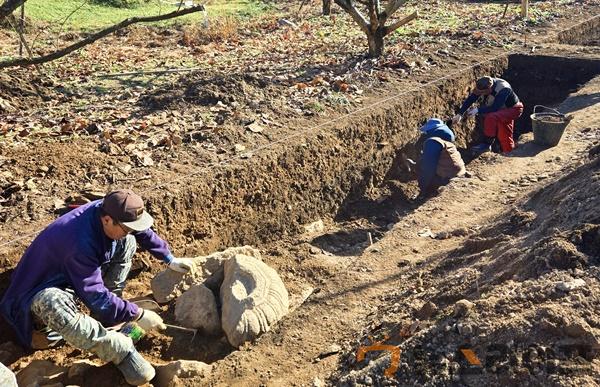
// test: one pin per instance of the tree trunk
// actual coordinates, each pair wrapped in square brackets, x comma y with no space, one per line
[326,7]
[8,6]
[376,42]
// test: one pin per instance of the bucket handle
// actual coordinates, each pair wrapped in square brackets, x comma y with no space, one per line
[547,108]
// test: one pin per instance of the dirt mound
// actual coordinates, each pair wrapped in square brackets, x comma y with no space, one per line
[532,283]
[20,88]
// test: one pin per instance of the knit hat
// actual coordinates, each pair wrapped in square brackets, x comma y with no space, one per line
[431,124]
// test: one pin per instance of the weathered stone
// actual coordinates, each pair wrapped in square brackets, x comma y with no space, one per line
[571,285]
[7,378]
[168,375]
[314,227]
[40,372]
[332,350]
[197,308]
[463,308]
[253,298]
[170,284]
[426,311]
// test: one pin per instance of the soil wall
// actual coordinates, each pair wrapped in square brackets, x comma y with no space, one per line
[277,190]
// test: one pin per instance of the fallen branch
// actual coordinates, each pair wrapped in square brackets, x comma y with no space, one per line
[146,72]
[98,35]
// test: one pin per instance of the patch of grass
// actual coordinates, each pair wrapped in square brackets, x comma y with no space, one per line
[86,15]
[218,29]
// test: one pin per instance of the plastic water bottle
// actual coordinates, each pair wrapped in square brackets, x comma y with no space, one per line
[133,331]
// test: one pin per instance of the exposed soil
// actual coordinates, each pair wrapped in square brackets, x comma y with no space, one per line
[310,161]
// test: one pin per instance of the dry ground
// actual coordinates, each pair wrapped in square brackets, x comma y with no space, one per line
[93,138]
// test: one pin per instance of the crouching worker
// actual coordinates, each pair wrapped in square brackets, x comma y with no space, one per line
[85,256]
[440,160]
[499,106]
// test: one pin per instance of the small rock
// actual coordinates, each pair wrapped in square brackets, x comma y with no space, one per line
[570,285]
[463,308]
[314,227]
[332,350]
[317,382]
[463,231]
[125,169]
[314,250]
[30,185]
[428,310]
[443,235]
[403,262]
[197,308]
[239,148]
[464,329]
[167,375]
[7,378]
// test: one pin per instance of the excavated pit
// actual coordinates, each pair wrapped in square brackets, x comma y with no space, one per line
[350,173]
[339,173]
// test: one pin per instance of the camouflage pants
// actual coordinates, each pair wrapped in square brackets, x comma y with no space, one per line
[56,308]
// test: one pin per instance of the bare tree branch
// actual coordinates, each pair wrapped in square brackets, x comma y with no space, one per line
[392,6]
[356,15]
[392,27]
[9,6]
[96,36]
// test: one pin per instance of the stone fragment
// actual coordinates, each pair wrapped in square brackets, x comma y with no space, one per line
[7,378]
[168,375]
[426,311]
[464,329]
[332,350]
[463,308]
[253,298]
[314,227]
[39,373]
[170,284]
[570,285]
[197,308]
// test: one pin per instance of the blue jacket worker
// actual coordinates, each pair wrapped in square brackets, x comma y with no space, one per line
[440,160]
[86,255]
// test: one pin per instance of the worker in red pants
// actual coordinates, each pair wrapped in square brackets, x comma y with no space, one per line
[499,106]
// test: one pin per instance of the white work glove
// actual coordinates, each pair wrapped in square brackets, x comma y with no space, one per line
[472,111]
[182,265]
[457,119]
[150,321]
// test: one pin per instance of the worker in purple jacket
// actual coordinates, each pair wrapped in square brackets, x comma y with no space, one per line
[86,255]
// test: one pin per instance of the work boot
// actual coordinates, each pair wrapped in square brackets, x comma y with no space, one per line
[136,369]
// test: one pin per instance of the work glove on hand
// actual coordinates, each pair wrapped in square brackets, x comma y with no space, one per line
[457,119]
[182,265]
[472,111]
[150,321]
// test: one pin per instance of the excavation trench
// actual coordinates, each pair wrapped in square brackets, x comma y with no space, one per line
[354,171]
[331,173]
